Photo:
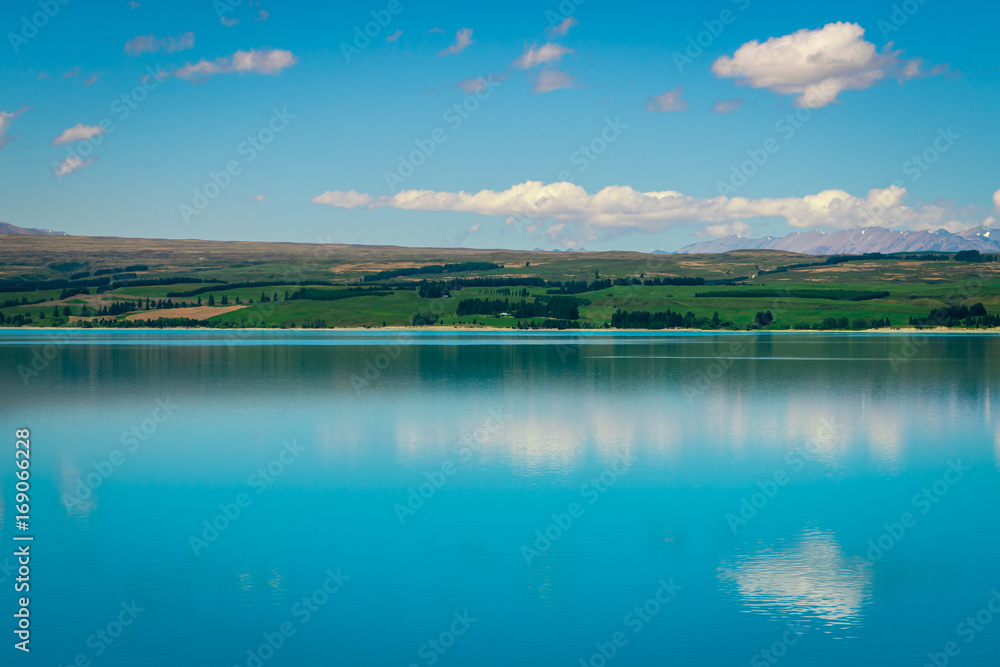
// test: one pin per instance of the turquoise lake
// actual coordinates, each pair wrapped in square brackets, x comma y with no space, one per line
[430,498]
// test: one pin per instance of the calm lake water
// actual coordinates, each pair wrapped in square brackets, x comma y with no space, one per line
[489,499]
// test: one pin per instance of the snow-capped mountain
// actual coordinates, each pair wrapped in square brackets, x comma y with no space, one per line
[856,241]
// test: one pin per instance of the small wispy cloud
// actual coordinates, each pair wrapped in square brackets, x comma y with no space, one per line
[153,44]
[5,119]
[475,84]
[435,30]
[534,56]
[71,164]
[229,23]
[262,15]
[562,27]
[668,101]
[257,198]
[463,38]
[73,72]
[394,36]
[264,61]
[552,79]
[78,132]
[133,4]
[727,106]
[94,78]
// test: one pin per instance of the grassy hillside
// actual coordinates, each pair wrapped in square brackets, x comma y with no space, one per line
[50,281]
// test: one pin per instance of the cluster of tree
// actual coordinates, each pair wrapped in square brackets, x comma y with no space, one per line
[73,291]
[121,269]
[16,320]
[231,286]
[974,257]
[28,285]
[482,307]
[832,294]
[23,301]
[334,295]
[423,319]
[961,315]
[761,320]
[497,281]
[159,323]
[555,307]
[431,268]
[432,290]
[81,274]
[547,324]
[172,280]
[927,257]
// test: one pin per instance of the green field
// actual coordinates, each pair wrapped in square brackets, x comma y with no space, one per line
[734,289]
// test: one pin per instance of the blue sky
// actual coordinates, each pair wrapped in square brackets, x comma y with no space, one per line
[511,124]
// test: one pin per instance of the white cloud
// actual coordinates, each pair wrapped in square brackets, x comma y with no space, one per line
[262,15]
[996,200]
[229,23]
[73,72]
[394,36]
[94,78]
[257,198]
[264,61]
[153,44]
[726,229]
[728,106]
[563,26]
[133,4]
[568,208]
[668,101]
[817,65]
[462,40]
[474,229]
[552,79]
[435,30]
[78,132]
[71,164]
[539,55]
[5,118]
[476,84]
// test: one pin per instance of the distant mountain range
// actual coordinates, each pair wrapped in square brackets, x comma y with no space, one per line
[857,241]
[7,228]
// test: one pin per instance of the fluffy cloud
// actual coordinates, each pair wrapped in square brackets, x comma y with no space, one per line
[264,61]
[552,79]
[728,106]
[726,229]
[668,101]
[5,118]
[539,55]
[71,164]
[996,200]
[565,207]
[153,44]
[78,132]
[563,27]
[816,65]
[462,40]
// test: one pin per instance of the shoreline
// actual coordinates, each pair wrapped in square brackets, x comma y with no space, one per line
[451,329]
